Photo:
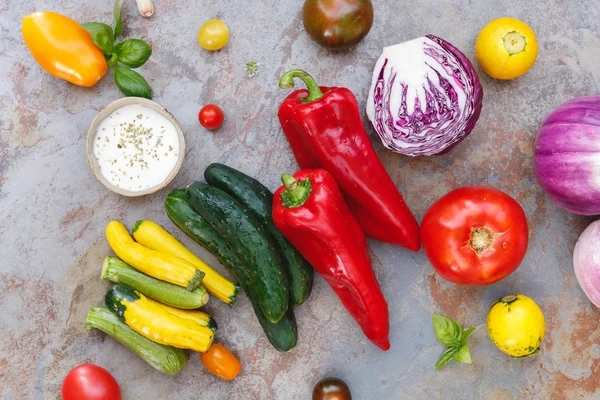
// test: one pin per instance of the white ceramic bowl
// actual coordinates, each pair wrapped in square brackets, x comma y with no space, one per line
[93,163]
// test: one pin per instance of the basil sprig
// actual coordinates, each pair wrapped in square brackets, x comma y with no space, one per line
[451,334]
[122,56]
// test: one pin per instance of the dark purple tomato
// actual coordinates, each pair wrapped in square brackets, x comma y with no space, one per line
[337,24]
[331,389]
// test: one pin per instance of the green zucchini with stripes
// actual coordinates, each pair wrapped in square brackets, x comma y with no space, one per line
[166,359]
[118,271]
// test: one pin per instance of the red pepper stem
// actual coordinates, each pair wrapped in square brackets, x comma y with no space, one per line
[296,193]
[287,82]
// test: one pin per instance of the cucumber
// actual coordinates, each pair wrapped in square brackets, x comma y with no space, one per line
[259,199]
[167,359]
[283,335]
[117,271]
[249,239]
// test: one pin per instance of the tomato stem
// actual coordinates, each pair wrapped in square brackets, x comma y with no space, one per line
[482,239]
[514,43]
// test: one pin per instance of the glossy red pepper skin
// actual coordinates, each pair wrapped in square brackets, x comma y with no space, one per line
[328,133]
[326,233]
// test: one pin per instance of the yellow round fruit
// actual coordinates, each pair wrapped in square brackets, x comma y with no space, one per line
[516,325]
[213,35]
[506,48]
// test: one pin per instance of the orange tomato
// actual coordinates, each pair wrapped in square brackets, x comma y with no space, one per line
[63,48]
[221,362]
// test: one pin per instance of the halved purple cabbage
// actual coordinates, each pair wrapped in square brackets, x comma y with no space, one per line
[425,97]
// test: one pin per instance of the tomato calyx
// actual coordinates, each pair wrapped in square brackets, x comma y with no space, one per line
[514,43]
[509,299]
[482,239]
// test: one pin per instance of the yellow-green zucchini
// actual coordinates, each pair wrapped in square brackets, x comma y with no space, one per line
[165,267]
[118,271]
[198,316]
[151,320]
[155,237]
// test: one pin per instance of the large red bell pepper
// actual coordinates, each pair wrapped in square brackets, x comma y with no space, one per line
[311,213]
[325,130]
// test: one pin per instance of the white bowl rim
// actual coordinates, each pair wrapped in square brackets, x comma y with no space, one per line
[108,110]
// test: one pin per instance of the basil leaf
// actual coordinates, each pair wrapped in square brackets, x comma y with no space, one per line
[118,20]
[467,333]
[131,83]
[447,330]
[463,355]
[102,35]
[446,357]
[133,52]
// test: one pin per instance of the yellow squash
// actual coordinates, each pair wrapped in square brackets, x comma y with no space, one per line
[150,319]
[516,325]
[154,237]
[200,317]
[506,48]
[63,48]
[159,265]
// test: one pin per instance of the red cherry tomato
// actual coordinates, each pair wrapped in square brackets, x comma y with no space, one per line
[475,235]
[211,116]
[90,382]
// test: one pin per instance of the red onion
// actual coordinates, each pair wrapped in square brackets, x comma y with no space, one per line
[567,155]
[586,261]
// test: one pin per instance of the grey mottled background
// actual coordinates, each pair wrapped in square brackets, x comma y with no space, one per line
[53,212]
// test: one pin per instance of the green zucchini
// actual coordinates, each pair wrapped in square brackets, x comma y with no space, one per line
[167,359]
[249,239]
[117,271]
[283,335]
[259,199]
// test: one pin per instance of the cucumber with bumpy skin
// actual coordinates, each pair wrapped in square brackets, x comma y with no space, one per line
[283,335]
[118,271]
[167,359]
[259,199]
[250,241]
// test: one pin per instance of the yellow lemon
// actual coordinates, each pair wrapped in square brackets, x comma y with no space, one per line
[506,48]
[516,325]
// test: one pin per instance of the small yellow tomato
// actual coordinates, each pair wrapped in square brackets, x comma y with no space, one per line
[506,48]
[516,325]
[213,35]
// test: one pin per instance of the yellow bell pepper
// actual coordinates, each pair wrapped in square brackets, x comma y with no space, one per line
[63,48]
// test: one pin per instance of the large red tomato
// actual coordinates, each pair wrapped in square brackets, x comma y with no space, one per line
[475,235]
[90,382]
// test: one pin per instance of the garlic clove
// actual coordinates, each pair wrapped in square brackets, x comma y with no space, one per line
[145,7]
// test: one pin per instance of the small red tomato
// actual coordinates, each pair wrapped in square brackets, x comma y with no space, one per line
[90,382]
[475,235]
[211,116]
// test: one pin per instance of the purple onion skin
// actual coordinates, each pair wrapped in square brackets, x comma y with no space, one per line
[477,88]
[567,155]
[586,262]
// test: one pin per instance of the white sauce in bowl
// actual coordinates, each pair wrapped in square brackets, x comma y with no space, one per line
[136,148]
